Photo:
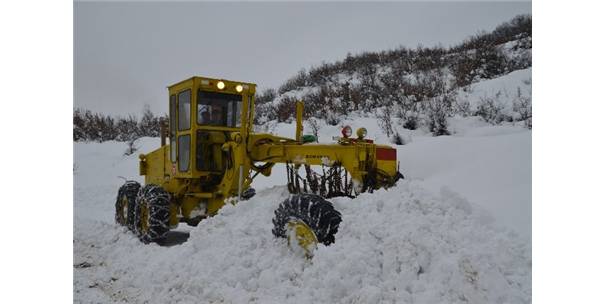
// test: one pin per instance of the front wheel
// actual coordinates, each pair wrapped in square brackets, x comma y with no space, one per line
[152,213]
[305,220]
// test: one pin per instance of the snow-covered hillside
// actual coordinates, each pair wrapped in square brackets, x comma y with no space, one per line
[418,86]
[457,230]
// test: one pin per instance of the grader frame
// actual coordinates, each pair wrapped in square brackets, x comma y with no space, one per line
[213,155]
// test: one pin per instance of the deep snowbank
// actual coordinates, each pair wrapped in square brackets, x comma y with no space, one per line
[491,167]
[416,243]
[402,245]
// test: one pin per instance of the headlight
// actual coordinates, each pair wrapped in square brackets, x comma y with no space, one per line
[220,85]
[239,88]
[346,131]
[361,132]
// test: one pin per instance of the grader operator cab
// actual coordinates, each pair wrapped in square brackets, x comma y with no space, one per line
[213,156]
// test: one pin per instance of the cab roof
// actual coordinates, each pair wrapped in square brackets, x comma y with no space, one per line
[211,80]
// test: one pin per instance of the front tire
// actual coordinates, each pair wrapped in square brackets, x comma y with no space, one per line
[125,204]
[313,210]
[152,213]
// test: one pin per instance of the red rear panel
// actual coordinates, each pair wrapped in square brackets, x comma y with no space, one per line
[386,154]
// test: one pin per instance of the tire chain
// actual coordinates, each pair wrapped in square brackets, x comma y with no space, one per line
[315,211]
[131,190]
[158,201]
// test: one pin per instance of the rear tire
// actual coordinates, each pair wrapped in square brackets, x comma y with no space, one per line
[152,213]
[125,204]
[314,211]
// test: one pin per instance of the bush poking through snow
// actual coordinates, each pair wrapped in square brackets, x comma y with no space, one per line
[132,148]
[266,96]
[285,108]
[408,112]
[490,110]
[332,119]
[522,106]
[462,107]
[411,121]
[437,111]
[397,139]
[384,120]
[314,125]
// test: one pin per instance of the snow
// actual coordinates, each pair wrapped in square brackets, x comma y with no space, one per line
[503,90]
[457,230]
[491,167]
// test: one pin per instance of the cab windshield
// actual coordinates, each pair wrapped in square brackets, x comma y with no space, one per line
[219,109]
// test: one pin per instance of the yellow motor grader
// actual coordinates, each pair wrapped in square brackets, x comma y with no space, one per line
[213,156]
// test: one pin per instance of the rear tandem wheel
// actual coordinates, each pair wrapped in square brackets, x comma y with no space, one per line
[125,204]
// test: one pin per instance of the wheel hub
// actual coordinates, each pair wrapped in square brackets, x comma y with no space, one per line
[144,217]
[124,208]
[301,238]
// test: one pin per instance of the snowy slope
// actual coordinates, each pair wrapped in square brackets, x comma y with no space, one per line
[503,90]
[444,235]
[493,171]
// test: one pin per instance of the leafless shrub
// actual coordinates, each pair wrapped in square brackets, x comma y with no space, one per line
[297,81]
[384,120]
[462,107]
[436,111]
[411,121]
[285,109]
[407,110]
[490,110]
[332,119]
[266,96]
[397,139]
[523,107]
[314,125]
[132,148]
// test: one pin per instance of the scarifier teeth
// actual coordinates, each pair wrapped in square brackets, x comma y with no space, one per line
[334,181]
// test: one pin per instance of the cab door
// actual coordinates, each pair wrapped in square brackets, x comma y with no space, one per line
[172,133]
[183,136]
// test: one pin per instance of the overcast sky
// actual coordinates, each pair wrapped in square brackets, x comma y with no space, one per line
[125,54]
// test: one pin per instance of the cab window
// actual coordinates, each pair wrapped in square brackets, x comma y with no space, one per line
[219,109]
[172,128]
[184,108]
[184,141]
[239,113]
